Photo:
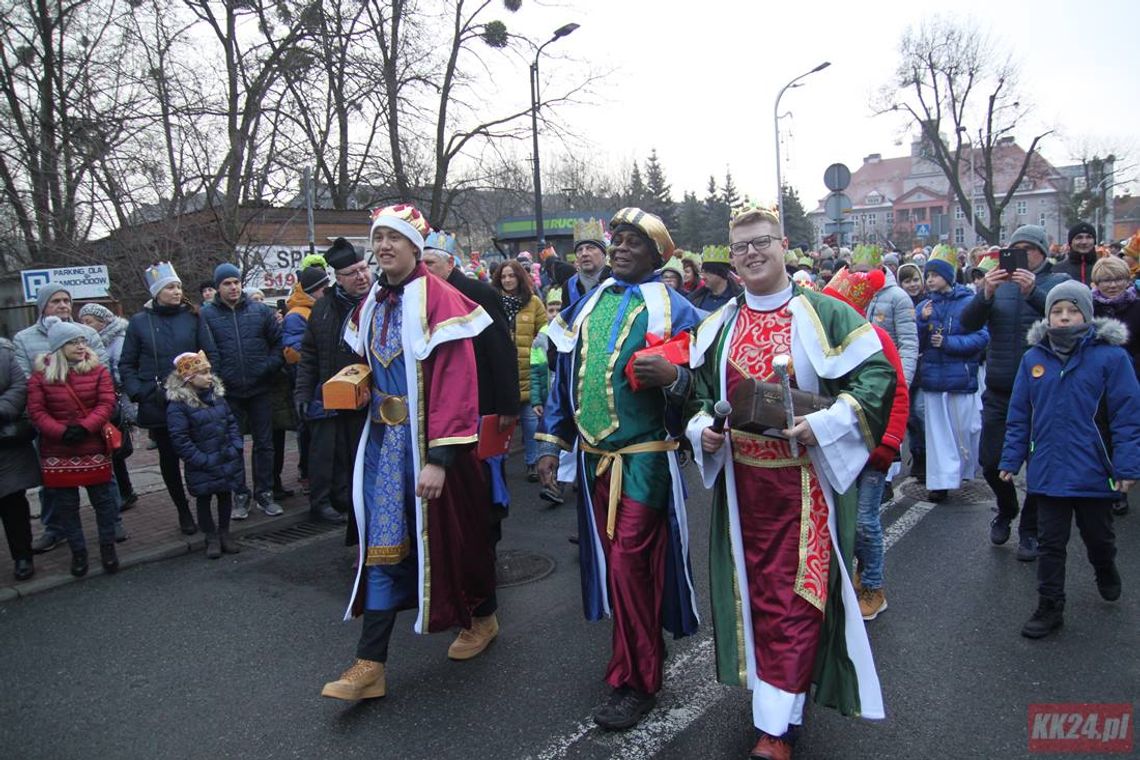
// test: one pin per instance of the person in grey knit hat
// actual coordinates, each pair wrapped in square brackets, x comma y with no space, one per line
[1075,292]
[51,301]
[61,333]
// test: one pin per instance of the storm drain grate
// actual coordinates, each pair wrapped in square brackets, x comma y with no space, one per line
[289,538]
[515,567]
[975,491]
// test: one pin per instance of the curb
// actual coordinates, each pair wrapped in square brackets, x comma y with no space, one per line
[174,548]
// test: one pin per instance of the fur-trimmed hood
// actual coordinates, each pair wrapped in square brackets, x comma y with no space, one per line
[90,361]
[178,390]
[1106,330]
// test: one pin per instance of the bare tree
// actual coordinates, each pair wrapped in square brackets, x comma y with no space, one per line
[959,88]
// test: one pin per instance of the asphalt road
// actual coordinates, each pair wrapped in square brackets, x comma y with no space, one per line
[188,658]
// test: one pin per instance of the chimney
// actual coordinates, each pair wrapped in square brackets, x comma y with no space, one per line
[874,158]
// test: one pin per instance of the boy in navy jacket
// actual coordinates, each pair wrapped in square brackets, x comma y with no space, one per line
[1075,415]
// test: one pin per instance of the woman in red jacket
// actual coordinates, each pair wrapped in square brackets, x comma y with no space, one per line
[70,399]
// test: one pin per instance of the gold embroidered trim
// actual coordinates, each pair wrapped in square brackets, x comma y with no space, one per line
[613,461]
[455,440]
[611,403]
[864,428]
[387,555]
[548,438]
[422,427]
[800,587]
[769,464]
[821,334]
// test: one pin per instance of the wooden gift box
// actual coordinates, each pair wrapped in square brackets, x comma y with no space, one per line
[348,389]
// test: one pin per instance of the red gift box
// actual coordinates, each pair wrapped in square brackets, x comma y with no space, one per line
[675,350]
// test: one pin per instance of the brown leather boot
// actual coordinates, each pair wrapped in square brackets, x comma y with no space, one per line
[364,680]
[472,641]
[770,748]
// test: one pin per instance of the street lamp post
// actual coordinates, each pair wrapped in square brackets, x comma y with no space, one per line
[776,123]
[539,233]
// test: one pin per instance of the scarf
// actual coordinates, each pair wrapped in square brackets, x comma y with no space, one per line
[1122,301]
[114,329]
[341,295]
[392,293]
[1064,340]
[512,306]
[589,282]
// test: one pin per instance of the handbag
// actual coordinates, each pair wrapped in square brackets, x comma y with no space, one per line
[17,431]
[758,407]
[112,436]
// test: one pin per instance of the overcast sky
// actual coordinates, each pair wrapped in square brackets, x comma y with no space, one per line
[698,80]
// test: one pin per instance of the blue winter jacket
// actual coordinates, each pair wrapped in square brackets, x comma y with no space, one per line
[1008,316]
[205,434]
[249,345]
[155,336]
[952,367]
[1078,423]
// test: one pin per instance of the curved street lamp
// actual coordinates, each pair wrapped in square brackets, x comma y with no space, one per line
[539,233]
[776,123]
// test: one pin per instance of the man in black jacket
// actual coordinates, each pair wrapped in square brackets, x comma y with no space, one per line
[1009,304]
[589,267]
[495,358]
[1082,254]
[248,337]
[334,435]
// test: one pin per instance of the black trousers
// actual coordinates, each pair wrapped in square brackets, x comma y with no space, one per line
[375,635]
[206,518]
[332,455]
[1054,524]
[171,468]
[995,405]
[17,520]
[119,463]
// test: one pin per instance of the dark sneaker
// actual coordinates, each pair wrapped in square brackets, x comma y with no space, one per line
[120,533]
[551,494]
[1027,548]
[327,514]
[267,505]
[1050,616]
[1108,582]
[45,543]
[624,709]
[79,563]
[531,474]
[109,558]
[938,496]
[241,506]
[24,569]
[888,494]
[999,530]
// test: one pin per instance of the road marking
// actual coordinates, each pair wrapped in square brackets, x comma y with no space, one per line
[693,689]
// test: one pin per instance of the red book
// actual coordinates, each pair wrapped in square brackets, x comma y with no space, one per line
[492,442]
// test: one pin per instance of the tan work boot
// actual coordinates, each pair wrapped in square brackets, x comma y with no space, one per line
[472,641]
[872,601]
[364,680]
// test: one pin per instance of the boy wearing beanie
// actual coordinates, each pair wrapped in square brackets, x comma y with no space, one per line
[1073,416]
[1082,253]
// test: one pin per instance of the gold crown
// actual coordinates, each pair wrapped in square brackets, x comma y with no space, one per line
[943,252]
[870,255]
[715,254]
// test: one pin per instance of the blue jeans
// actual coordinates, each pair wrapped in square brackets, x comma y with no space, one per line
[529,424]
[869,527]
[67,513]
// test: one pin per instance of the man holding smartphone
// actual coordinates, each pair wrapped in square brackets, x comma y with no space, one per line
[1009,303]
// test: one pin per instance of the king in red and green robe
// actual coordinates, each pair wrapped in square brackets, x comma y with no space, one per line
[783,529]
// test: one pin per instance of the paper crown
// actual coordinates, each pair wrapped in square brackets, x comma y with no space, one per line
[943,252]
[651,226]
[791,259]
[163,270]
[590,230]
[773,212]
[189,364]
[856,289]
[868,255]
[806,261]
[403,218]
[1132,247]
[441,241]
[554,296]
[674,265]
[987,262]
[716,254]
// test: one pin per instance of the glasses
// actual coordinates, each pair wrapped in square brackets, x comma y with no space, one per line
[348,274]
[760,244]
[1113,281]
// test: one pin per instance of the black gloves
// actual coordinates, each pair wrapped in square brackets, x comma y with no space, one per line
[301,408]
[74,434]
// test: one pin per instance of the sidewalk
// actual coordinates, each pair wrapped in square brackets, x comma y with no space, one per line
[152,525]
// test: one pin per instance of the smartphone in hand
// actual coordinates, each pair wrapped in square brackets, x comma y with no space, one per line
[1012,259]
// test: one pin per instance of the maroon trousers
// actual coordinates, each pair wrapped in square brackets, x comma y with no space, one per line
[635,559]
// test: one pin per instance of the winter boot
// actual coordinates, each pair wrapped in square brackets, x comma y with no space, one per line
[186,520]
[1050,615]
[79,563]
[229,546]
[213,548]
[109,557]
